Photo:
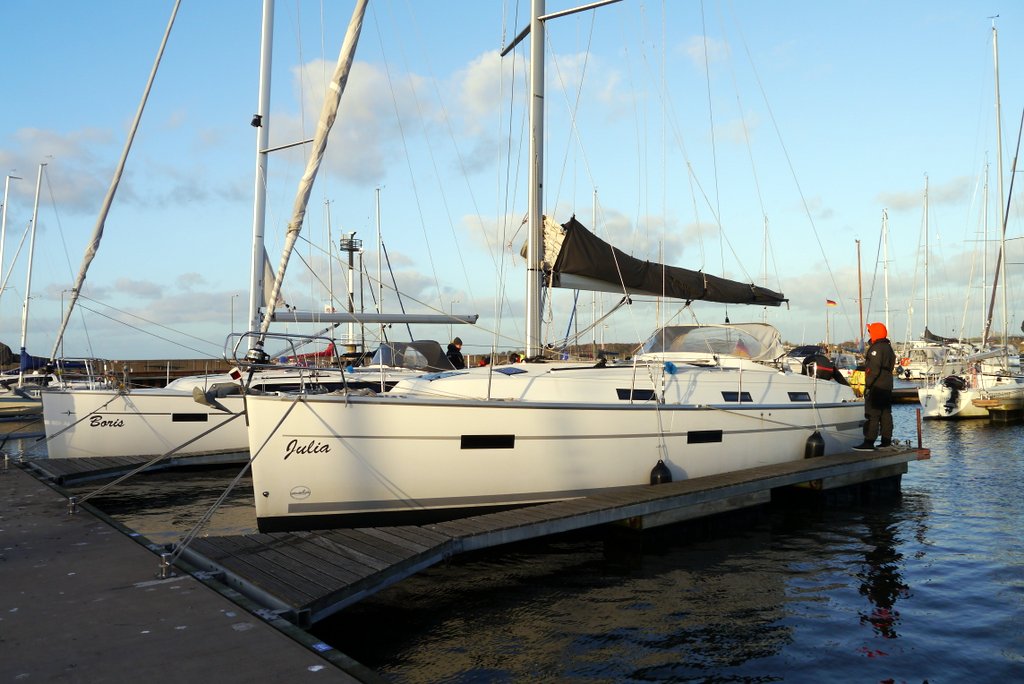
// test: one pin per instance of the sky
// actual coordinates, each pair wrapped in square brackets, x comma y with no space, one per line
[758,141]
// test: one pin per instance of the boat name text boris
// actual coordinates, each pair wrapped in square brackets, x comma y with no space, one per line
[101,422]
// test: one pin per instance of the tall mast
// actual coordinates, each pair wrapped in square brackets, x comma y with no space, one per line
[1001,262]
[534,272]
[535,231]
[885,263]
[328,114]
[999,158]
[259,210]
[380,259]
[97,233]
[860,294]
[3,225]
[926,251]
[28,276]
[764,282]
[984,259]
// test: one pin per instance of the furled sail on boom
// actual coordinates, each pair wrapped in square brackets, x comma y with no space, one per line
[577,259]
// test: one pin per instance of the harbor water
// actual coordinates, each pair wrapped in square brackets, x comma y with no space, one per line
[923,586]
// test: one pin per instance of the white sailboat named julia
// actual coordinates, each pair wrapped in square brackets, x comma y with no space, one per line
[698,399]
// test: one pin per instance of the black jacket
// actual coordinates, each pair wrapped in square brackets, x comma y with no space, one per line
[455,356]
[879,361]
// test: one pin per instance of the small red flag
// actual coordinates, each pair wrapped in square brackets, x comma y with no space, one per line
[829,302]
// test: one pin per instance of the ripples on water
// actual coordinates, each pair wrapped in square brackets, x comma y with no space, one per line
[927,586]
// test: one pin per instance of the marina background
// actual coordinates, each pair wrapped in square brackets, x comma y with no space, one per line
[810,118]
[923,587]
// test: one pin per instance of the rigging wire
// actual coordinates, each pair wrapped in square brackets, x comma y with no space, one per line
[572,109]
[67,255]
[769,251]
[442,195]
[792,170]
[148,322]
[511,188]
[408,159]
[463,167]
[711,129]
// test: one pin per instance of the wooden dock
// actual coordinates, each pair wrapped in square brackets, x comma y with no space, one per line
[1005,414]
[307,576]
[81,602]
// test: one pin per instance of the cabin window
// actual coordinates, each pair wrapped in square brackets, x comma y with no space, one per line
[741,397]
[488,441]
[189,417]
[703,436]
[633,394]
[799,396]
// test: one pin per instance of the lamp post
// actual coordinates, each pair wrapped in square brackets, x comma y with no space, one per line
[451,332]
[233,312]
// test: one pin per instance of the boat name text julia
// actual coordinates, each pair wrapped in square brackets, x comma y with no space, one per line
[313,447]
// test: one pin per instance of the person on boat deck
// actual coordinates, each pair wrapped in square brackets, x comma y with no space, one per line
[455,354]
[879,362]
[822,367]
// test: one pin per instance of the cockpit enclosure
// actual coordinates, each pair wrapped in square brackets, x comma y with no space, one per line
[420,355]
[753,341]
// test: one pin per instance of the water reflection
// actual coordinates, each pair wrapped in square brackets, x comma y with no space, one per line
[673,607]
[165,506]
[881,579]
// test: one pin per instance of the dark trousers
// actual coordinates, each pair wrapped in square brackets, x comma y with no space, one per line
[878,415]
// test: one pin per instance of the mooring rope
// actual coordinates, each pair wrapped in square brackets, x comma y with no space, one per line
[156,459]
[187,539]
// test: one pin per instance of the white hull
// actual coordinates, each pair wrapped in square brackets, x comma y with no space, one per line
[146,422]
[941,401]
[152,421]
[321,459]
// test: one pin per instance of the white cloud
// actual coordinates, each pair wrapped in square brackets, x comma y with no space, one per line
[189,281]
[702,49]
[952,192]
[143,289]
[77,178]
[738,130]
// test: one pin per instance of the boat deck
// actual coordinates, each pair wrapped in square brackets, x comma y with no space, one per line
[307,576]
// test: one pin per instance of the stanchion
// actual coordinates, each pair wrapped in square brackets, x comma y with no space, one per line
[165,571]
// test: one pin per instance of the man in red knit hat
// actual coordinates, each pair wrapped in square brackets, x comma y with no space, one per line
[879,361]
